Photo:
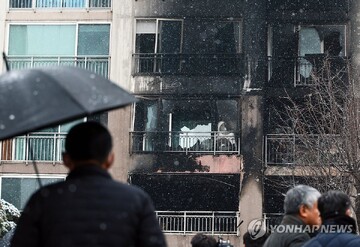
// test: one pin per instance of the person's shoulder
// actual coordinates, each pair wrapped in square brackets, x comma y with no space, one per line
[349,240]
[334,239]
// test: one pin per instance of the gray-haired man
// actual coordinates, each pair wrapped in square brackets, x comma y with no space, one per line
[301,217]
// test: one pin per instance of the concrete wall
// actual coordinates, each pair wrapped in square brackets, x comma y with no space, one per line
[119,121]
[251,199]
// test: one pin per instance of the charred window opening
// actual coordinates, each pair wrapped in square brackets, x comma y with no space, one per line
[186,125]
[275,188]
[191,192]
[157,43]
[315,44]
[159,46]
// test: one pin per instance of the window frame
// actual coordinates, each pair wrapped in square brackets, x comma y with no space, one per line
[76,24]
[31,176]
[157,21]
[342,25]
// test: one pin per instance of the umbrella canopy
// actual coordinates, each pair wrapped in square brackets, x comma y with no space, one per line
[32,99]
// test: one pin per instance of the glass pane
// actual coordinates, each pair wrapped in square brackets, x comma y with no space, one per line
[17,191]
[146,26]
[20,146]
[42,40]
[309,41]
[100,3]
[169,36]
[48,3]
[73,3]
[169,43]
[20,4]
[93,39]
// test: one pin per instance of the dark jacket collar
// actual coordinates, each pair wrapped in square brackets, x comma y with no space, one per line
[88,170]
[342,220]
[291,220]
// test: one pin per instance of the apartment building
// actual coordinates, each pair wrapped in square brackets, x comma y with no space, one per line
[202,139]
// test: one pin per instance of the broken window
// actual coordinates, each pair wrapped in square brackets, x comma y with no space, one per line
[186,125]
[157,44]
[314,44]
[145,125]
[317,43]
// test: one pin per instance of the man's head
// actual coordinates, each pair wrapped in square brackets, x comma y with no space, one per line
[258,242]
[302,201]
[202,240]
[88,143]
[334,203]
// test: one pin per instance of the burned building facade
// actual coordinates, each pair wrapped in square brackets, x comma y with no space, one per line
[207,75]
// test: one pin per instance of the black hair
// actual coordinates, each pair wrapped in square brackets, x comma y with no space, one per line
[333,203]
[258,242]
[202,240]
[88,141]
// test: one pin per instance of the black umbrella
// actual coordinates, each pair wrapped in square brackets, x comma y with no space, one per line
[32,99]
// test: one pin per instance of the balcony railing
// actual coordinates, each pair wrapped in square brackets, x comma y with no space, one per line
[300,71]
[39,146]
[292,149]
[184,222]
[215,142]
[33,4]
[188,64]
[97,64]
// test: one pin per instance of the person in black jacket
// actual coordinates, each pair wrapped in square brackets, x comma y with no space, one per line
[338,227]
[89,208]
[301,217]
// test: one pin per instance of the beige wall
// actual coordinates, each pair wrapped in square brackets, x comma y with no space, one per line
[119,121]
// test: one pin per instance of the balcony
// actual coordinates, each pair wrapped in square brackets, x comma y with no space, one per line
[40,4]
[187,64]
[185,222]
[45,146]
[303,71]
[215,142]
[97,64]
[292,149]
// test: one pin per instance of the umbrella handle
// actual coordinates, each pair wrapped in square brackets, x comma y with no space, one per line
[6,62]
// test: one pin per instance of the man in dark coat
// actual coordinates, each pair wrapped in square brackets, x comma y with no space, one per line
[338,227]
[301,217]
[89,208]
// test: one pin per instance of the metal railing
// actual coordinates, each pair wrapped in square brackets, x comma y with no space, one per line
[97,64]
[206,64]
[292,149]
[330,5]
[184,222]
[215,142]
[33,4]
[300,70]
[40,146]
